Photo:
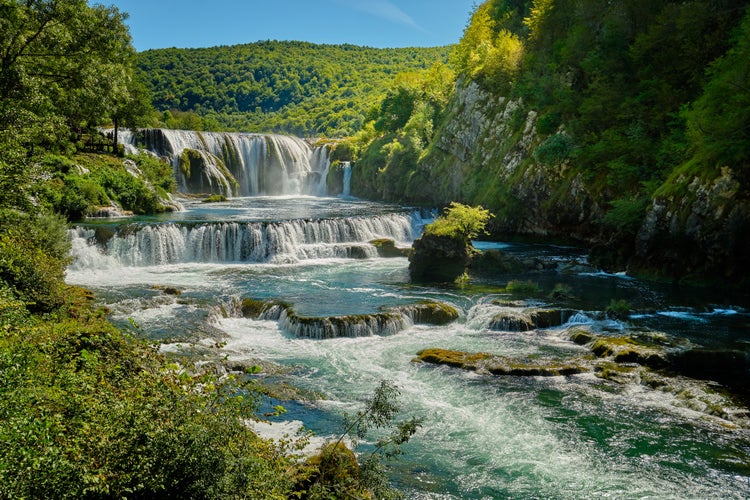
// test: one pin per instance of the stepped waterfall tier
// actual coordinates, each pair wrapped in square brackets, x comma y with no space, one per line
[278,242]
[236,164]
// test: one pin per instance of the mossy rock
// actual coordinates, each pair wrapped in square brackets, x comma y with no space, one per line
[502,365]
[358,252]
[214,198]
[439,259]
[456,359]
[387,248]
[581,336]
[616,372]
[428,312]
[537,368]
[511,321]
[254,308]
[627,350]
[354,325]
[336,464]
[167,290]
[549,318]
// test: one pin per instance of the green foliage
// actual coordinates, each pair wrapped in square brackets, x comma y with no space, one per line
[554,150]
[64,67]
[90,412]
[618,309]
[626,215]
[548,123]
[271,86]
[517,287]
[460,222]
[76,186]
[719,121]
[33,256]
[214,198]
[391,145]
[336,474]
[488,52]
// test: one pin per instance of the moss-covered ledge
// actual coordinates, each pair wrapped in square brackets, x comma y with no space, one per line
[503,365]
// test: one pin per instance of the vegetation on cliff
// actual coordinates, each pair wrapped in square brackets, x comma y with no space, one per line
[620,124]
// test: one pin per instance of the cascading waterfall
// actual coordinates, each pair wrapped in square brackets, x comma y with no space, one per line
[363,325]
[347,166]
[274,242]
[236,164]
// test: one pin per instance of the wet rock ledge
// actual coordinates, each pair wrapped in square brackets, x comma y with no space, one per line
[502,365]
[387,322]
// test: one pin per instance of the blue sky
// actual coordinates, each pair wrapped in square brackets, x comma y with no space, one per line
[374,23]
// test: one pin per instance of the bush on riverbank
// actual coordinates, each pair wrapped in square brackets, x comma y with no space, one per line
[76,186]
[90,411]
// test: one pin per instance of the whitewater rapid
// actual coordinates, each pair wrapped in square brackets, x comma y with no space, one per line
[484,437]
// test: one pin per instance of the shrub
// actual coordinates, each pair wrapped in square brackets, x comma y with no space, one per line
[554,150]
[460,222]
[626,215]
[518,287]
[618,309]
[33,256]
[89,412]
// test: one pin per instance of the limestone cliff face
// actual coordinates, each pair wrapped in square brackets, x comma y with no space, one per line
[489,152]
[485,154]
[704,231]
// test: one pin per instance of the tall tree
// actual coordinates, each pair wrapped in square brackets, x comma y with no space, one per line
[64,65]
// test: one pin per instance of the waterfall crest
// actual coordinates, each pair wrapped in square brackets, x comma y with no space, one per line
[260,242]
[236,164]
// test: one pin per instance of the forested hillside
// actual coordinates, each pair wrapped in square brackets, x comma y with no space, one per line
[624,125]
[293,87]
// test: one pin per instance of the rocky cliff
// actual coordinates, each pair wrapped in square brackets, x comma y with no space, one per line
[487,153]
[490,151]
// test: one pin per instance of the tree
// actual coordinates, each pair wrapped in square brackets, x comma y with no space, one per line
[63,65]
[719,120]
[460,222]
[337,474]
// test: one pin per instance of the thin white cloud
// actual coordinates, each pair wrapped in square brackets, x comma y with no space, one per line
[384,9]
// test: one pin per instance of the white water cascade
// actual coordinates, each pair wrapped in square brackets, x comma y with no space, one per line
[236,164]
[347,178]
[260,242]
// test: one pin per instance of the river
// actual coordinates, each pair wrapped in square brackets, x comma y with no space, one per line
[483,436]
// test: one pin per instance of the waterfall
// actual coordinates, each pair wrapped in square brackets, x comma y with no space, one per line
[362,325]
[262,242]
[347,178]
[236,164]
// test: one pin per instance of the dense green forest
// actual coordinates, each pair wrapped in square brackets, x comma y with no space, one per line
[293,87]
[591,113]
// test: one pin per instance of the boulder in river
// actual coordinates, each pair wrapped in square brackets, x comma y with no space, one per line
[439,259]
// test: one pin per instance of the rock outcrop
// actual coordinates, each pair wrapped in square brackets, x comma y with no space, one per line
[439,259]
[388,321]
[701,232]
[501,365]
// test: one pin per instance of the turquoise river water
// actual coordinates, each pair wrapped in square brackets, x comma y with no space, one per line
[483,436]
